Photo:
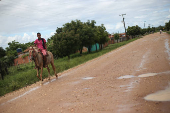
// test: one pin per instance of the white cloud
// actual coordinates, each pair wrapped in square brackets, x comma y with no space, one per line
[165,21]
[21,39]
[168,16]
[108,26]
[143,16]
[119,26]
[52,33]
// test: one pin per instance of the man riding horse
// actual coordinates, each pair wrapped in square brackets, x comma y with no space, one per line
[41,44]
[41,57]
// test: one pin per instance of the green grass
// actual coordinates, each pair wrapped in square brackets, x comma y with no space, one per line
[168,32]
[26,74]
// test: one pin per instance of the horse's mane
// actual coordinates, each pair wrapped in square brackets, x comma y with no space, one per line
[33,48]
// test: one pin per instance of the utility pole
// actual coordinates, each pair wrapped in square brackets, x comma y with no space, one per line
[144,24]
[124,24]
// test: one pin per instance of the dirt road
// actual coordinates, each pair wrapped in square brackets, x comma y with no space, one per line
[133,78]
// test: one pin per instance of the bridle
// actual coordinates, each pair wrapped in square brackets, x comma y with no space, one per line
[34,55]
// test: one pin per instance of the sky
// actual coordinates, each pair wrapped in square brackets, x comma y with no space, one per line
[20,20]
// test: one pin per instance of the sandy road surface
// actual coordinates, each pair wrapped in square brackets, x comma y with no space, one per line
[97,87]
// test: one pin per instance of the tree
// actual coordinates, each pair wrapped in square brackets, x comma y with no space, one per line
[66,40]
[134,30]
[75,35]
[2,52]
[91,33]
[102,34]
[116,37]
[167,26]
[66,43]
[143,31]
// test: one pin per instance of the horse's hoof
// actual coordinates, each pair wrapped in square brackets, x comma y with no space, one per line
[56,76]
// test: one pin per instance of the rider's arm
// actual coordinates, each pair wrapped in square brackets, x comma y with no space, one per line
[45,45]
[35,43]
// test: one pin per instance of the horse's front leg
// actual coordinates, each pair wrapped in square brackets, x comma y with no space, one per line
[38,73]
[41,75]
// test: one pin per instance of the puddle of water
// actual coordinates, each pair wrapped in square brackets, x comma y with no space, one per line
[167,48]
[125,107]
[147,75]
[76,82]
[162,95]
[87,78]
[126,76]
[86,88]
[130,86]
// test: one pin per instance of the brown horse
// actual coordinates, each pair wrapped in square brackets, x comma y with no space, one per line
[38,59]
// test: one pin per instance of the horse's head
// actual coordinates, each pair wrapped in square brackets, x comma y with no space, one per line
[32,52]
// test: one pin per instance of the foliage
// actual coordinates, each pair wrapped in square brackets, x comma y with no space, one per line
[2,52]
[168,32]
[66,43]
[23,56]
[143,31]
[13,46]
[116,37]
[75,35]
[167,26]
[134,30]
[102,34]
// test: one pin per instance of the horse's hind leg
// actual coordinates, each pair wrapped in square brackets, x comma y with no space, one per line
[38,73]
[52,63]
[48,72]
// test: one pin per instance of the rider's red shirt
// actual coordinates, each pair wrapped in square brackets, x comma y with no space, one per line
[39,43]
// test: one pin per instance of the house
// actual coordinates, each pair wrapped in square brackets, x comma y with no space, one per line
[23,57]
[122,37]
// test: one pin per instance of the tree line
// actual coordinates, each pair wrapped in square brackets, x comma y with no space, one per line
[167,25]
[136,30]
[73,36]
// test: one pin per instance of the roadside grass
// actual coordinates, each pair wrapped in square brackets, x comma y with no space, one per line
[168,32]
[26,74]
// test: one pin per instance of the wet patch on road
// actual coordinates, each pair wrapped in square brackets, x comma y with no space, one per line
[88,78]
[147,75]
[162,95]
[167,48]
[125,76]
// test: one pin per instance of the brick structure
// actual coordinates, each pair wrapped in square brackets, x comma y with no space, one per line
[21,60]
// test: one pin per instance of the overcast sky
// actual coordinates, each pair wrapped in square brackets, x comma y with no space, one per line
[20,20]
